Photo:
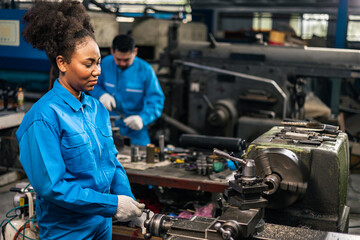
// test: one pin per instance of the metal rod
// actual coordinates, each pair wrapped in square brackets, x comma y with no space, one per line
[178,124]
[226,155]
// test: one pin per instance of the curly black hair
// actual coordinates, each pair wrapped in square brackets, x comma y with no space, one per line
[57,27]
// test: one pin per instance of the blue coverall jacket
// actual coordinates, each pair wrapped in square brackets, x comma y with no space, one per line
[68,154]
[136,91]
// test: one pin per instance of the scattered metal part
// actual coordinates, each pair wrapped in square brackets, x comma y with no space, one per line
[204,165]
[292,133]
[135,154]
[161,147]
[323,127]
[150,153]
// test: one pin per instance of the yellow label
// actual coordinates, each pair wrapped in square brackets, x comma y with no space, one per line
[179,161]
[22,201]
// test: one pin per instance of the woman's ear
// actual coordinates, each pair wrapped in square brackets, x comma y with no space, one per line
[61,63]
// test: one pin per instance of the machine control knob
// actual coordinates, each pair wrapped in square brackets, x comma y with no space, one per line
[218,117]
[226,235]
[229,230]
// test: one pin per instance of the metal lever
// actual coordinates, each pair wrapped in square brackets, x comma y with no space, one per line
[120,114]
[226,155]
[147,235]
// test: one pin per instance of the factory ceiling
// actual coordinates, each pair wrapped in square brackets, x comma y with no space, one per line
[280,6]
[292,3]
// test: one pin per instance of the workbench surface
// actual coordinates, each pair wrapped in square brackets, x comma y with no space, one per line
[175,177]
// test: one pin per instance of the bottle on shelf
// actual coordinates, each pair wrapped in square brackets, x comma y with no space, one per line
[20,99]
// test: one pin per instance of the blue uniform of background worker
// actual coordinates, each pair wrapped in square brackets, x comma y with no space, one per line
[129,85]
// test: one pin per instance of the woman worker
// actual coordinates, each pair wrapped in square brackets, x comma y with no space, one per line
[65,140]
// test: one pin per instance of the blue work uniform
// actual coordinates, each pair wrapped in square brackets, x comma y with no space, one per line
[136,91]
[68,154]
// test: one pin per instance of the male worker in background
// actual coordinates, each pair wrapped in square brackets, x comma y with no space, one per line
[128,85]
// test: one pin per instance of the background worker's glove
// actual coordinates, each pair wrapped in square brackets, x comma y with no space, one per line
[128,208]
[139,221]
[108,101]
[134,122]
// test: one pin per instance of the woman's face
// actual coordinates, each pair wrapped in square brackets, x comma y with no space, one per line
[81,74]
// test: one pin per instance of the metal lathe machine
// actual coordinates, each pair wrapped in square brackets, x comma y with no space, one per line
[290,184]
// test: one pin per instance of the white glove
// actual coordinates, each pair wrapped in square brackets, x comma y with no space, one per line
[108,101]
[128,208]
[134,122]
[139,221]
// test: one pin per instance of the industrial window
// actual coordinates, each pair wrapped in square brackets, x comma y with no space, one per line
[295,22]
[262,21]
[305,25]
[314,25]
[353,28]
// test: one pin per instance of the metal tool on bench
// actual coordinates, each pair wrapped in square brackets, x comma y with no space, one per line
[312,133]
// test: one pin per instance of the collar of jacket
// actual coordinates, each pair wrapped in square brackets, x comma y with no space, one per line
[64,94]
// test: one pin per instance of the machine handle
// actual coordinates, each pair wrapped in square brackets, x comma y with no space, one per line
[226,155]
[14,189]
[210,142]
[226,234]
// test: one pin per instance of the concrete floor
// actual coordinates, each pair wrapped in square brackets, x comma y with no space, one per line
[353,201]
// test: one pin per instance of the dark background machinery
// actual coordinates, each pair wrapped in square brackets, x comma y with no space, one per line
[242,90]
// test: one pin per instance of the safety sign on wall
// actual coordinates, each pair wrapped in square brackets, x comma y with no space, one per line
[9,33]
